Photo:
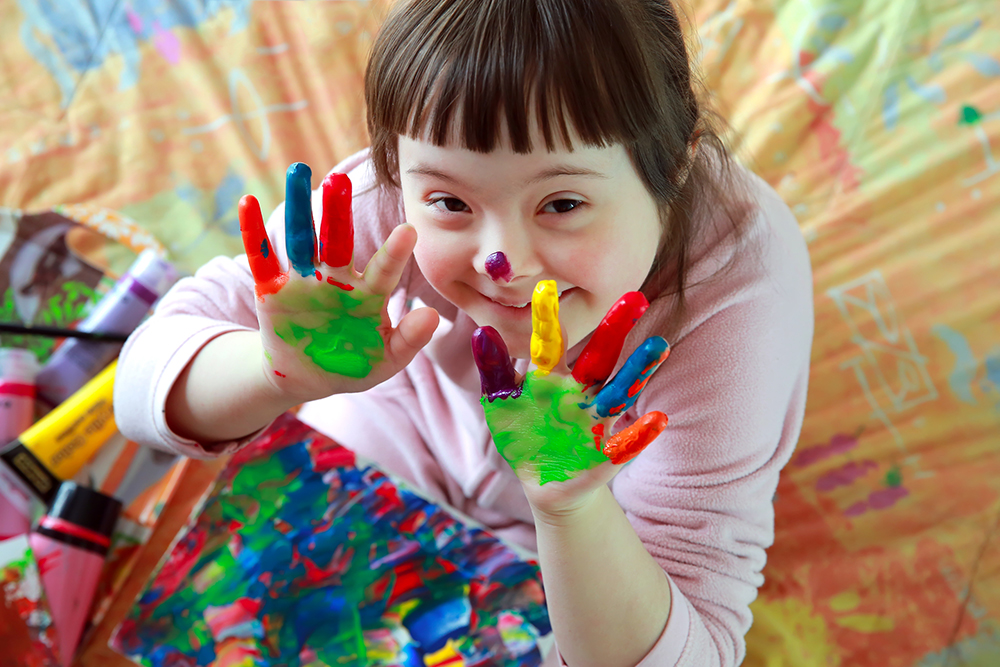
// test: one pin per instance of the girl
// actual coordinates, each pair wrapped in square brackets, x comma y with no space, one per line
[513,142]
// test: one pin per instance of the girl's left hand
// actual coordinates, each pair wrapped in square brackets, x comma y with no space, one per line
[550,425]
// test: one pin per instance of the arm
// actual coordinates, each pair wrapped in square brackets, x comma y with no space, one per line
[200,372]
[619,614]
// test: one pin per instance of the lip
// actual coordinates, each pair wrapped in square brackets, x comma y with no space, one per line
[515,309]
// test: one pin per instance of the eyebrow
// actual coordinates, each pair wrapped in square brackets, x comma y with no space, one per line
[553,172]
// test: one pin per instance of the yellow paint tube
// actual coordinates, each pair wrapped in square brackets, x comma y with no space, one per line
[62,442]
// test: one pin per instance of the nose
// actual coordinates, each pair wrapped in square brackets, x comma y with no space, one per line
[506,252]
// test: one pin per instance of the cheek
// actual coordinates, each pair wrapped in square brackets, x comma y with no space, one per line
[439,257]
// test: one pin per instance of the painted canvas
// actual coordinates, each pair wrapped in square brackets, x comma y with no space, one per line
[303,556]
[27,635]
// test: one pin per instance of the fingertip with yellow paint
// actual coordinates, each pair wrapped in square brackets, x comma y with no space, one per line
[546,336]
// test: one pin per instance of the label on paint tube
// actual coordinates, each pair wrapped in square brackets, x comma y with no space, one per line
[57,446]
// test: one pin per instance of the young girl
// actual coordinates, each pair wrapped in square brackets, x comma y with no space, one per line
[513,142]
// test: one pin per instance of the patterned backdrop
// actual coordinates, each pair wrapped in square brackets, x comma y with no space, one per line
[878,122]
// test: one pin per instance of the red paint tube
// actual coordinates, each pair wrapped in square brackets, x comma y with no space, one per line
[70,545]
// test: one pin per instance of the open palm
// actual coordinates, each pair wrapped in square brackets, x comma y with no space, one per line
[552,427]
[324,326]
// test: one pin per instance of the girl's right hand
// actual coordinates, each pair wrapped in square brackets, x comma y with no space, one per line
[324,327]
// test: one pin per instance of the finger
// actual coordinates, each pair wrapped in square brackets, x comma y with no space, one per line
[267,275]
[496,371]
[599,357]
[619,395]
[336,226]
[386,266]
[625,445]
[411,335]
[300,236]
[546,336]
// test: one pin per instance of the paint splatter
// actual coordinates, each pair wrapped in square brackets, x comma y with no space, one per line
[27,634]
[966,366]
[878,500]
[300,557]
[844,476]
[840,443]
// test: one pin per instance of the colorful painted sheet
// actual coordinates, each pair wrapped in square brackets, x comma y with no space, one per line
[27,635]
[878,122]
[301,557]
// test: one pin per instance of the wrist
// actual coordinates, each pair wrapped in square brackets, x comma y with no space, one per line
[568,514]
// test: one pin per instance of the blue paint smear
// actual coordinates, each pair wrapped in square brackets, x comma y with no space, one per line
[331,551]
[616,393]
[964,371]
[69,38]
[300,235]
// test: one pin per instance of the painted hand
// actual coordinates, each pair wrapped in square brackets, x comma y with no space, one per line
[324,326]
[551,426]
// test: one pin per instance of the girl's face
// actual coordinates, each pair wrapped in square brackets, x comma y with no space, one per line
[582,218]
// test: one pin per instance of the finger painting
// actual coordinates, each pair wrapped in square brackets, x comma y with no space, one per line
[27,636]
[337,329]
[332,324]
[301,556]
[551,427]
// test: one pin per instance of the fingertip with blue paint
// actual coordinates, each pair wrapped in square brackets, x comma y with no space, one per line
[622,392]
[300,235]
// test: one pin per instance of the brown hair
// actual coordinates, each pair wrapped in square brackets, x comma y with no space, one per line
[615,71]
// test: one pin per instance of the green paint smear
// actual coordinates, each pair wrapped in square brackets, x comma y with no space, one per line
[544,432]
[346,339]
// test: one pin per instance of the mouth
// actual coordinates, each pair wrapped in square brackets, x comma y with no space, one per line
[525,305]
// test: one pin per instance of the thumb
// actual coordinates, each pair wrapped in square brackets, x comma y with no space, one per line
[412,333]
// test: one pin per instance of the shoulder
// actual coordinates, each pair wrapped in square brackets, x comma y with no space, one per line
[761,263]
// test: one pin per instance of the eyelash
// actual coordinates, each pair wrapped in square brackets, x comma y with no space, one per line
[577,204]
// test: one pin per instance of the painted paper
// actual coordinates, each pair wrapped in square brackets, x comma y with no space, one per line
[302,556]
[27,635]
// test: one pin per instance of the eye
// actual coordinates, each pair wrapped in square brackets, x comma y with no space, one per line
[450,204]
[561,205]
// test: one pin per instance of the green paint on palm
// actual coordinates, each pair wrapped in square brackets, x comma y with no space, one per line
[338,330]
[544,431]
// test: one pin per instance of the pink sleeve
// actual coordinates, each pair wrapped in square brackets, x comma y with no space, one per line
[700,497]
[218,299]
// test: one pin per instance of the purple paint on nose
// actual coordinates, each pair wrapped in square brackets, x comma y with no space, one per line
[498,267]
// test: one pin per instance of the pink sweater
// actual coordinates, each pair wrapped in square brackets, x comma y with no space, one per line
[700,497]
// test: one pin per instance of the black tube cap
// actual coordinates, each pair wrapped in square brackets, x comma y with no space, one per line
[86,508]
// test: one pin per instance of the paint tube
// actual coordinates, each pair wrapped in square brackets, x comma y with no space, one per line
[58,445]
[120,311]
[70,545]
[18,369]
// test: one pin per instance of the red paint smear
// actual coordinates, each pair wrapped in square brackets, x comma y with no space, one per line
[598,432]
[319,276]
[598,358]
[629,443]
[241,611]
[270,287]
[281,375]
[47,562]
[333,457]
[406,580]
[410,524]
[346,288]
[835,157]
[336,229]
